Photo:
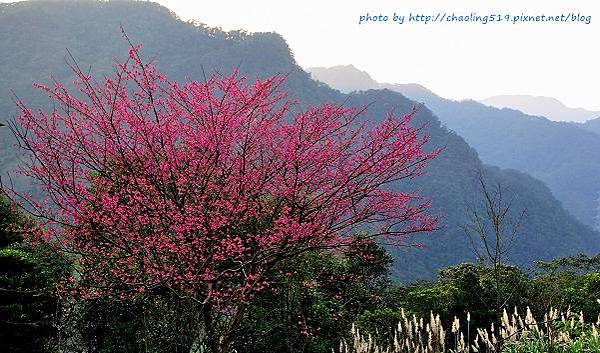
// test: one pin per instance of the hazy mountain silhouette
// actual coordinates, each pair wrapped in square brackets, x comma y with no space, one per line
[563,155]
[345,78]
[35,35]
[548,107]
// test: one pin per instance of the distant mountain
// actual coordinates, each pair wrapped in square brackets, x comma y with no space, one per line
[348,78]
[565,156]
[414,91]
[548,107]
[345,78]
[91,32]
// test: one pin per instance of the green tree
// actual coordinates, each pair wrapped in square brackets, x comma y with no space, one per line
[314,300]
[28,275]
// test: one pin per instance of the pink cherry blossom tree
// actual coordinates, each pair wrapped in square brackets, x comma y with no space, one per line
[204,187]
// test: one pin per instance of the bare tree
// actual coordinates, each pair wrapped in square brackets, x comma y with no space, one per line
[493,228]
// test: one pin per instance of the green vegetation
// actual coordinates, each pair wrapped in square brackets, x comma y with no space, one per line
[28,276]
[314,302]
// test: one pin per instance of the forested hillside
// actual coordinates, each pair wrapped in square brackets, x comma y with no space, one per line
[34,47]
[562,155]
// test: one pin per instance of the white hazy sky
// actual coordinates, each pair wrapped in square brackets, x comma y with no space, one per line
[472,60]
[560,60]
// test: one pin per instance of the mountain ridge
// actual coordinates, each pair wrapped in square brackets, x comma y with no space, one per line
[548,107]
[348,78]
[536,145]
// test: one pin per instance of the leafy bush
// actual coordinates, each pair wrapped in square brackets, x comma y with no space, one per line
[314,299]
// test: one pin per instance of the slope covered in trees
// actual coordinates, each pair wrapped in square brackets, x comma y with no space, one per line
[563,155]
[32,53]
[452,185]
